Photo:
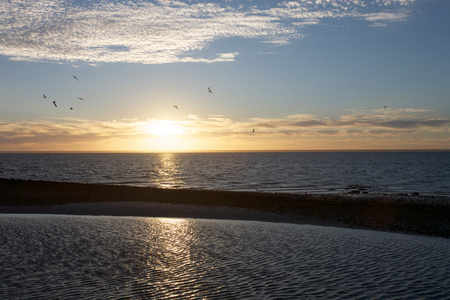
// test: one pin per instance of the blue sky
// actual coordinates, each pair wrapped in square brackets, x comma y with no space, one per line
[306,75]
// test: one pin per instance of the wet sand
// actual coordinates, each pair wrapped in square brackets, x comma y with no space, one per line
[409,214]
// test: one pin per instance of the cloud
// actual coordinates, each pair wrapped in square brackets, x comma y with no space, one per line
[156,32]
[380,19]
[385,16]
[76,131]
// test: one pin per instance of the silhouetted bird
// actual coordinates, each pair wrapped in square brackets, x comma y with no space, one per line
[253,129]
[209,90]
[79,98]
[44,96]
[71,108]
[175,106]
[75,77]
[385,106]
[54,103]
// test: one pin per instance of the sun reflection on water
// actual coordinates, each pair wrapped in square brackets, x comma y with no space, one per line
[162,258]
[166,172]
[173,258]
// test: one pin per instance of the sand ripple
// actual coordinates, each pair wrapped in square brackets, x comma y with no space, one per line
[55,257]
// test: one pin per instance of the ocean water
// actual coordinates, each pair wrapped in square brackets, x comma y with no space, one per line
[69,257]
[293,172]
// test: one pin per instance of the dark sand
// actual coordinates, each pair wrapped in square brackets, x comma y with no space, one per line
[393,213]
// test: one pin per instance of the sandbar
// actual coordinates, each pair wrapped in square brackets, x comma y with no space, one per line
[410,214]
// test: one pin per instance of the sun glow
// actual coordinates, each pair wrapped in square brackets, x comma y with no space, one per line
[163,128]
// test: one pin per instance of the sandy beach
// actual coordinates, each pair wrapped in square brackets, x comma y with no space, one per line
[409,214]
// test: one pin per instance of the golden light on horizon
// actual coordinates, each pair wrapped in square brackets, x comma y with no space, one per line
[162,135]
[221,133]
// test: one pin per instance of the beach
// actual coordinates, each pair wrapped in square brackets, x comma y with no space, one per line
[410,214]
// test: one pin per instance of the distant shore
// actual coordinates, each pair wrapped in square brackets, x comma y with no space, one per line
[409,214]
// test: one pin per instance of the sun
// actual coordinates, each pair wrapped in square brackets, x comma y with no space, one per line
[163,128]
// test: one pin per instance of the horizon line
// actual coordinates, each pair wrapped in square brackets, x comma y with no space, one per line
[232,151]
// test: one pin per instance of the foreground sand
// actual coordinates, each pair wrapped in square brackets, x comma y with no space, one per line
[400,213]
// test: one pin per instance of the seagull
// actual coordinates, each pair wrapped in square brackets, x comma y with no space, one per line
[75,77]
[54,103]
[385,106]
[209,90]
[175,106]
[79,98]
[44,96]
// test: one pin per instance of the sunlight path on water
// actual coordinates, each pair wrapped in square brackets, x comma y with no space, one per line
[54,257]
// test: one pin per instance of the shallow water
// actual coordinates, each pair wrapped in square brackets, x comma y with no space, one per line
[315,172]
[73,257]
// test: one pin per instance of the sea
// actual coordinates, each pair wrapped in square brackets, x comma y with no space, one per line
[426,173]
[100,257]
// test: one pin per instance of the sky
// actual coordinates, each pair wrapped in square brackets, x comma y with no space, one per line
[283,75]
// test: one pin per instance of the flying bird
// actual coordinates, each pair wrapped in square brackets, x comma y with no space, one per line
[175,106]
[79,98]
[385,106]
[71,108]
[209,90]
[75,77]
[54,103]
[44,96]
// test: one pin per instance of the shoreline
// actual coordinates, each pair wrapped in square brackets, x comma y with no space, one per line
[419,215]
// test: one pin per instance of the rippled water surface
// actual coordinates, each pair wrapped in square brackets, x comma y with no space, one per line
[316,172]
[68,257]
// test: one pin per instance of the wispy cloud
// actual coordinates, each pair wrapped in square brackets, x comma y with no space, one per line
[165,31]
[83,134]
[367,123]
